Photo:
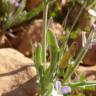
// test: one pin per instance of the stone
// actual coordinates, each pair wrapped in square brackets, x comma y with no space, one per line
[32,4]
[88,72]
[17,74]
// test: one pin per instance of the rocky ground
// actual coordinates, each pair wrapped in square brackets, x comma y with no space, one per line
[17,67]
[18,72]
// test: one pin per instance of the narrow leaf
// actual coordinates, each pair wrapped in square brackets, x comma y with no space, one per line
[38,58]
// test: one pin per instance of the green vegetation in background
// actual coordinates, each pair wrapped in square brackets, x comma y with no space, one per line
[12,16]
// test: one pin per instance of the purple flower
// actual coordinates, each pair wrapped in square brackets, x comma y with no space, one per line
[65,90]
[16,2]
[58,85]
[62,89]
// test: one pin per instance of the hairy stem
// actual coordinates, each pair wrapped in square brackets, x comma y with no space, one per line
[44,32]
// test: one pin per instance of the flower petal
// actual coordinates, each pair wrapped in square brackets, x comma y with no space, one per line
[57,85]
[65,90]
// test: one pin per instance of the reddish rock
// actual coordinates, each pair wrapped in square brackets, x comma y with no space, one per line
[32,4]
[90,57]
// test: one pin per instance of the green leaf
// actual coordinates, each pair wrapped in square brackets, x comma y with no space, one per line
[82,77]
[40,67]
[21,16]
[52,41]
[21,7]
[38,58]
[16,18]
[6,7]
[54,52]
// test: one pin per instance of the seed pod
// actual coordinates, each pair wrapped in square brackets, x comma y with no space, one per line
[68,55]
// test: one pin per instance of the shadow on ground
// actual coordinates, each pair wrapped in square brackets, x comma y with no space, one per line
[29,88]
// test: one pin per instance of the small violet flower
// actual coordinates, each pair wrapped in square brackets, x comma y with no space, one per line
[58,85]
[62,89]
[16,2]
[65,90]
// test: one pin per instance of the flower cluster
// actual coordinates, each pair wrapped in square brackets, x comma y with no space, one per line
[61,90]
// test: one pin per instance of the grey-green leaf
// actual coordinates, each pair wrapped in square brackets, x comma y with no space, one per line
[38,56]
[52,41]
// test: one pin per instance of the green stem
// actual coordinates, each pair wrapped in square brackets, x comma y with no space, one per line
[63,48]
[79,58]
[44,31]
[82,83]
[78,16]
